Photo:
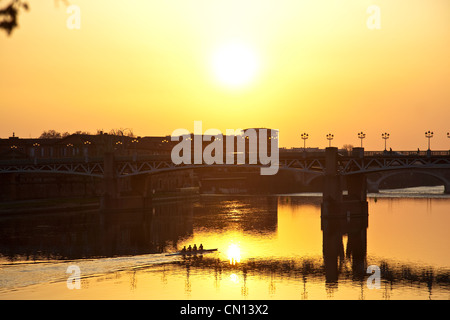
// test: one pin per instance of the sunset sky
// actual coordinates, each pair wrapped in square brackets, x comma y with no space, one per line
[292,65]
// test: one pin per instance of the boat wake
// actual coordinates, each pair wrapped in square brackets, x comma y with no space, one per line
[22,274]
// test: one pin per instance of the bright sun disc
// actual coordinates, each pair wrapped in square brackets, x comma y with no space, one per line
[234,254]
[235,64]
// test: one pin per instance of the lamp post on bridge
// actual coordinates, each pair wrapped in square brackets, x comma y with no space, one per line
[86,143]
[329,138]
[385,136]
[361,135]
[35,151]
[118,145]
[429,135]
[448,136]
[134,142]
[304,136]
[72,150]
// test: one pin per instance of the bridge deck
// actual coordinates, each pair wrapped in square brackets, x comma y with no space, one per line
[309,162]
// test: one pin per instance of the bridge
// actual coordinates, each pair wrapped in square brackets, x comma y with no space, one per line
[359,161]
[332,166]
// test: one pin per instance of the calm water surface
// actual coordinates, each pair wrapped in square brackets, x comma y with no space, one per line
[270,247]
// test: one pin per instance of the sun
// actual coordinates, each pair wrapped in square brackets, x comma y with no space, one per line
[234,254]
[235,64]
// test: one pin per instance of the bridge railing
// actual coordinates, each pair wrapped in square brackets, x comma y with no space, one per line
[407,153]
[31,161]
[166,157]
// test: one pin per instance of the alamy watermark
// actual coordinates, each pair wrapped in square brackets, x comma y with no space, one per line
[74,20]
[374,280]
[238,144]
[74,280]
[374,20]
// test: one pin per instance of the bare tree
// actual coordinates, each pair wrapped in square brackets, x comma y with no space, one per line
[82,132]
[50,134]
[53,134]
[122,132]
[348,147]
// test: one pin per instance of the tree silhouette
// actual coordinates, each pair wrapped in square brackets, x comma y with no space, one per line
[9,13]
[122,132]
[348,147]
[53,134]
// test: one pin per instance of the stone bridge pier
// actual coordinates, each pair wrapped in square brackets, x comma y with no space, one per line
[334,203]
[114,187]
[110,197]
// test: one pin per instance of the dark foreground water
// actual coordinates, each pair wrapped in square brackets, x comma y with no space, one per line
[268,248]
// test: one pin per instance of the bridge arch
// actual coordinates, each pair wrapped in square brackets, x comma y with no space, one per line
[72,173]
[317,178]
[373,185]
[127,172]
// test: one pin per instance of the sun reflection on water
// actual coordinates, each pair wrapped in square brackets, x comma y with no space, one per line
[234,254]
[234,278]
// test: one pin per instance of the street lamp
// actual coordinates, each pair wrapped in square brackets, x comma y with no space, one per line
[304,136]
[361,135]
[14,148]
[87,143]
[134,142]
[329,138]
[70,146]
[448,136]
[429,135]
[34,151]
[385,136]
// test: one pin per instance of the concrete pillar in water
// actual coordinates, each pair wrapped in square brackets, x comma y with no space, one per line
[357,187]
[333,228]
[357,184]
[110,181]
[332,250]
[332,189]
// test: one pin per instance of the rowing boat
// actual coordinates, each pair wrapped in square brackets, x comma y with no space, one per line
[191,253]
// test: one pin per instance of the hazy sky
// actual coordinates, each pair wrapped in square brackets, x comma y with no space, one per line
[296,65]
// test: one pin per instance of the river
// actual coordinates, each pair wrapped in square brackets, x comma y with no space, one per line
[269,247]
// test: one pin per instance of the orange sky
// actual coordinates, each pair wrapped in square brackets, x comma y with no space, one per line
[146,65]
